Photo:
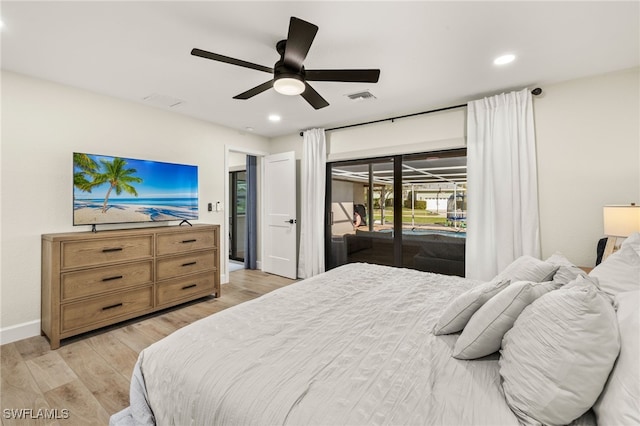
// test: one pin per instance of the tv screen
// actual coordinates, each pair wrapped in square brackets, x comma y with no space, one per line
[124,190]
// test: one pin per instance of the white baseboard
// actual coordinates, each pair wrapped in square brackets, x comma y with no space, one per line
[19,332]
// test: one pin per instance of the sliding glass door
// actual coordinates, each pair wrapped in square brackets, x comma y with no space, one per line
[360,196]
[406,210]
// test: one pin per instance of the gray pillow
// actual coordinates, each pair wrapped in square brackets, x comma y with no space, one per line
[556,359]
[619,403]
[528,268]
[567,271]
[483,333]
[457,313]
[620,272]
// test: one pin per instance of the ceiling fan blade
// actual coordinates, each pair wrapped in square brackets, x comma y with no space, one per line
[349,76]
[313,97]
[301,35]
[228,60]
[255,91]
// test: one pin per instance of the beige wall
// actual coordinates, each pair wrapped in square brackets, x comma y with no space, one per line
[588,145]
[42,124]
[588,138]
[428,132]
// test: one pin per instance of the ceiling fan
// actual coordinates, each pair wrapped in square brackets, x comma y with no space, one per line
[289,75]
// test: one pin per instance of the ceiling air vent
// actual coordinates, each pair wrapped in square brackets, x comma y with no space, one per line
[361,96]
[163,101]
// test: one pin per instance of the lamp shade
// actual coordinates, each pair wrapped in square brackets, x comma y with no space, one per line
[622,220]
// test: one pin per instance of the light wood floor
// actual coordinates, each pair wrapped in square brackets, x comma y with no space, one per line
[89,375]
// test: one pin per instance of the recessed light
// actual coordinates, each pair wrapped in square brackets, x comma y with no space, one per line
[504,59]
[274,118]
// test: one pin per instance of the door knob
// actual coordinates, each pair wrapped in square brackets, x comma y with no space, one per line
[291,221]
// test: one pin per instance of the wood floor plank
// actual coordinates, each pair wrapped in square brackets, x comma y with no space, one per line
[33,347]
[133,338]
[50,371]
[104,382]
[152,329]
[175,319]
[82,406]
[162,326]
[19,389]
[120,356]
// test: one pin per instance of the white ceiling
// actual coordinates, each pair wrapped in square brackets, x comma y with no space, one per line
[431,54]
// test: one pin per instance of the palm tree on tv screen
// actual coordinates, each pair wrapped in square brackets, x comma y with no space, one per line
[88,167]
[118,177]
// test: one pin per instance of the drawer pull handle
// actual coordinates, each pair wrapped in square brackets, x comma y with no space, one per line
[118,277]
[189,241]
[189,263]
[189,286]
[109,250]
[117,305]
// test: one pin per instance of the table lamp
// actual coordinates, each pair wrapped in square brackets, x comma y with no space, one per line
[620,221]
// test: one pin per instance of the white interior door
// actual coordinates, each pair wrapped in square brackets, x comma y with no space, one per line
[280,253]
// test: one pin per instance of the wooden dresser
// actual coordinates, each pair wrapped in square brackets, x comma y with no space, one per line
[91,280]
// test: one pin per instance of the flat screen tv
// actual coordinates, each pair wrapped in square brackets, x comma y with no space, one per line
[109,190]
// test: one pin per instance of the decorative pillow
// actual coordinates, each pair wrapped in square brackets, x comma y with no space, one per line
[619,403]
[457,313]
[556,359]
[483,333]
[567,271]
[633,240]
[528,268]
[620,272]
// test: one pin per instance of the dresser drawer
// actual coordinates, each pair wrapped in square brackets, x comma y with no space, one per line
[88,282]
[181,288]
[186,264]
[93,311]
[180,242]
[107,250]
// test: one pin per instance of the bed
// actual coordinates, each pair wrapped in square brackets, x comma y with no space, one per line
[356,345]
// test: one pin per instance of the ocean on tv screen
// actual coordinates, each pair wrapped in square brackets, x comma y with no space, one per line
[119,190]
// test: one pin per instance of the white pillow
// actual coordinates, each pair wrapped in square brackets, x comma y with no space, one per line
[528,268]
[633,240]
[619,403]
[620,272]
[483,333]
[556,359]
[457,313]
[567,271]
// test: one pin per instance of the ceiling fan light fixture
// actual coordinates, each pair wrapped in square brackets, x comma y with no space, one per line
[289,86]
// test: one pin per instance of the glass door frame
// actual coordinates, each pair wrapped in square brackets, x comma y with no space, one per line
[397,213]
[397,199]
[233,225]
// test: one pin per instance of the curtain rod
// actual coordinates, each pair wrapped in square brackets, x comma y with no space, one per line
[537,91]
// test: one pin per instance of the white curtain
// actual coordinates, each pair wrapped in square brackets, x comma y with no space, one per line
[502,212]
[313,171]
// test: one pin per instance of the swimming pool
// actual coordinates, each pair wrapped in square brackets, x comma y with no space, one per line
[461,234]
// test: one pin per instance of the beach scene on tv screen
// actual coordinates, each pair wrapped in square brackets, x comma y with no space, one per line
[119,190]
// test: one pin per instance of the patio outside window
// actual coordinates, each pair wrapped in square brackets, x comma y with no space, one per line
[407,211]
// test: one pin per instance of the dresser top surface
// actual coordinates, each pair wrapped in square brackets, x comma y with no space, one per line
[128,232]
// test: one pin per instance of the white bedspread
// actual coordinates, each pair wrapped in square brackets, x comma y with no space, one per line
[352,346]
